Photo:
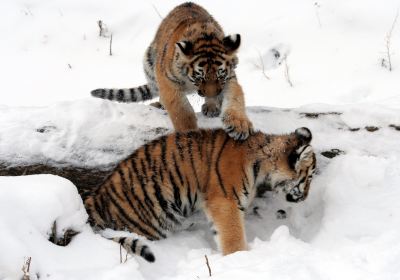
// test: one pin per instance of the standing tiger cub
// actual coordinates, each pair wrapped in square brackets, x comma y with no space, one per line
[164,182]
[191,53]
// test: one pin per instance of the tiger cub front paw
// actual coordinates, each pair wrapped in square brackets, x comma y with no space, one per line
[210,110]
[238,127]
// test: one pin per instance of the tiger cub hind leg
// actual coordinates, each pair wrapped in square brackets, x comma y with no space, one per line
[228,225]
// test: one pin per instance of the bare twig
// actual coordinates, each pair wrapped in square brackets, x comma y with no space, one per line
[388,41]
[317,6]
[287,71]
[100,24]
[111,44]
[261,66]
[208,265]
[120,253]
[25,269]
[155,8]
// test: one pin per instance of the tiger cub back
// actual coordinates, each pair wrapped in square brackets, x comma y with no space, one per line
[190,53]
[162,183]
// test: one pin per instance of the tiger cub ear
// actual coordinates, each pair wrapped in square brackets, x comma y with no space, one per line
[186,47]
[231,42]
[303,150]
[304,136]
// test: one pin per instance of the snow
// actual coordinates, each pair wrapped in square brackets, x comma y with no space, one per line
[348,228]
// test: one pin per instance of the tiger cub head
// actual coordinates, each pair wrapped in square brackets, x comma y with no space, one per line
[293,167]
[209,62]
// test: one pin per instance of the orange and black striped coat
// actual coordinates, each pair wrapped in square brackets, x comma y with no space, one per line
[190,53]
[169,179]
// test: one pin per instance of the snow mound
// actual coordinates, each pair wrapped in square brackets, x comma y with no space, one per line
[346,229]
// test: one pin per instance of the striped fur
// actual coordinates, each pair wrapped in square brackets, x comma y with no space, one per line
[140,93]
[135,247]
[190,53]
[162,183]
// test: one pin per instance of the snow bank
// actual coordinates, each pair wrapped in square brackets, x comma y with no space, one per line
[29,205]
[346,229]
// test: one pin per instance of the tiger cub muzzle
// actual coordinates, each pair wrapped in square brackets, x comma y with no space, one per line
[210,89]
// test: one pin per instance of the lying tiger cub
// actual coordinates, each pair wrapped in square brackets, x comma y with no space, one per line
[167,180]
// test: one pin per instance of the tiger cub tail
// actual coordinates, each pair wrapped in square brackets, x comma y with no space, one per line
[135,247]
[126,95]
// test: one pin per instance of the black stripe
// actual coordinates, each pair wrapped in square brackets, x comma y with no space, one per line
[185,212]
[190,150]
[144,93]
[256,169]
[120,95]
[163,53]
[105,208]
[103,93]
[133,94]
[245,176]
[163,203]
[178,144]
[189,194]
[199,141]
[150,58]
[244,188]
[148,157]
[142,251]
[163,146]
[209,155]
[237,198]
[148,92]
[221,183]
[194,202]
[177,171]
[99,208]
[176,206]
[110,94]
[133,245]
[161,173]
[143,180]
[163,143]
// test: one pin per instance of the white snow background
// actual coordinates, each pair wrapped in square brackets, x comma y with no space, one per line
[349,227]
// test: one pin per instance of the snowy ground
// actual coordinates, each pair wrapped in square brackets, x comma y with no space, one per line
[349,226]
